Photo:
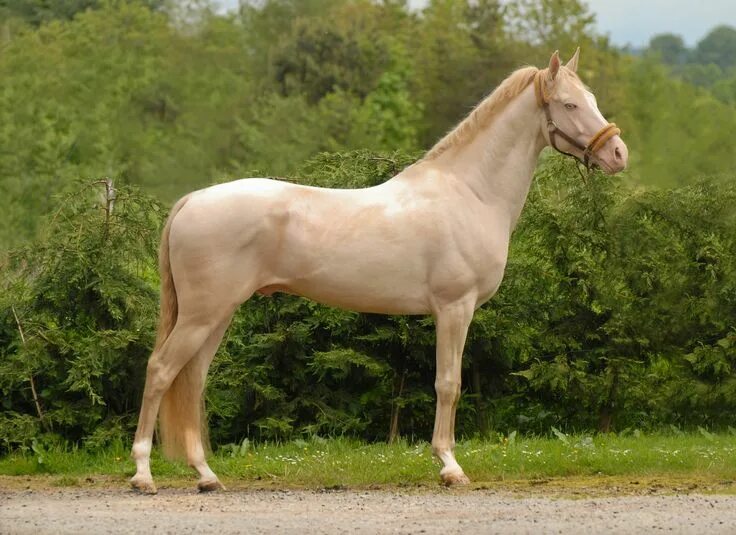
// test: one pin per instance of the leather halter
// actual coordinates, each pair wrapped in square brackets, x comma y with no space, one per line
[595,143]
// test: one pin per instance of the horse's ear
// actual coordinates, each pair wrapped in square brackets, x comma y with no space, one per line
[573,63]
[554,65]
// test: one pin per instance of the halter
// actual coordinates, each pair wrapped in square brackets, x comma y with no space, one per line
[595,143]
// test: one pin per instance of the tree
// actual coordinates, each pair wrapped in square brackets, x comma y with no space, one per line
[660,119]
[37,12]
[718,47]
[551,24]
[459,55]
[77,318]
[670,47]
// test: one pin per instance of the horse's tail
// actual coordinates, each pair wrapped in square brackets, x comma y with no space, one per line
[175,414]
[169,308]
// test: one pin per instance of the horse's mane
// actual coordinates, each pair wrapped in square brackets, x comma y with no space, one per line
[483,113]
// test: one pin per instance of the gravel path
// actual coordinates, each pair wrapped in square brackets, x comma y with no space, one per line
[81,511]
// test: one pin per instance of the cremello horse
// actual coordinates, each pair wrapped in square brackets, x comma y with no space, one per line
[432,240]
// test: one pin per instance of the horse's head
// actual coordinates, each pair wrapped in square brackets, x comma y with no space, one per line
[572,122]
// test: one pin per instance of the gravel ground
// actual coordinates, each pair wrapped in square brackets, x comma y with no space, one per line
[178,511]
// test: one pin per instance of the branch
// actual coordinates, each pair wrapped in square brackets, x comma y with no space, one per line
[109,199]
[33,383]
[394,164]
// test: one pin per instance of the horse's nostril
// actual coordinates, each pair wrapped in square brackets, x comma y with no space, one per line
[617,153]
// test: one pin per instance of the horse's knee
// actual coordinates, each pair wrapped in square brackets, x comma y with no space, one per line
[448,391]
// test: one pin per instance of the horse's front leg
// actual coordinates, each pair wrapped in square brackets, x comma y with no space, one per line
[452,328]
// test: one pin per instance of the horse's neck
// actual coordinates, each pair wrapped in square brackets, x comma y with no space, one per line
[498,164]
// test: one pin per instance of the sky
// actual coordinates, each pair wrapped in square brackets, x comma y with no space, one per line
[634,22]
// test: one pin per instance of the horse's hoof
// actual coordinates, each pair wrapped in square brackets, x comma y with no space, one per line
[210,485]
[143,485]
[455,479]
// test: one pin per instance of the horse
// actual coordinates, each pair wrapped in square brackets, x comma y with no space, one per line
[433,240]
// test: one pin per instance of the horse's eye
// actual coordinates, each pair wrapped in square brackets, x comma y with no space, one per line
[570,106]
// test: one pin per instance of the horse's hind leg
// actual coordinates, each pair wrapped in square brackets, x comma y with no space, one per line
[195,445]
[183,343]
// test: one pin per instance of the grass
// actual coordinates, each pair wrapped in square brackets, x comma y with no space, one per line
[703,459]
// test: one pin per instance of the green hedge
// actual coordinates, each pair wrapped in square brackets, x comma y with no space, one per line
[617,310]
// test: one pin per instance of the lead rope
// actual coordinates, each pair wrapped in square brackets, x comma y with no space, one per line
[588,171]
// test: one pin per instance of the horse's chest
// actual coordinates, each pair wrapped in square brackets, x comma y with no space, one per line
[489,263]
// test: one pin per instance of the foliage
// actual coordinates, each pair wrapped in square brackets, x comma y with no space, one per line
[670,48]
[711,64]
[718,47]
[647,278]
[618,306]
[695,148]
[77,317]
[170,96]
[617,311]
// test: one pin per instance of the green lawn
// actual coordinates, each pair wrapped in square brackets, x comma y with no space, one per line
[320,463]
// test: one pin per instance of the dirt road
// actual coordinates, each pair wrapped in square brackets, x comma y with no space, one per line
[81,511]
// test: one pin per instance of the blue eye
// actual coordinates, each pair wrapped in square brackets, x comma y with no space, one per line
[570,106]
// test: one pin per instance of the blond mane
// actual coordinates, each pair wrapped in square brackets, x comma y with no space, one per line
[483,113]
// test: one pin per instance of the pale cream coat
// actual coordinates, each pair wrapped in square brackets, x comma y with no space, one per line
[432,240]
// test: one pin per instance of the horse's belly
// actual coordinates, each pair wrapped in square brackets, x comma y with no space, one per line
[377,293]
